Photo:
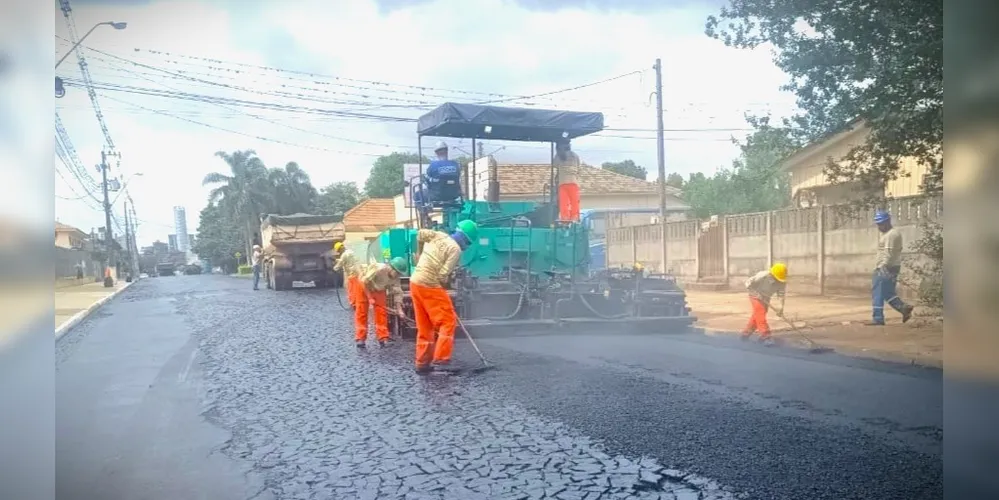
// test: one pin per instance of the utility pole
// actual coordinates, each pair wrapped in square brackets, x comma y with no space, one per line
[108,233]
[128,244]
[661,156]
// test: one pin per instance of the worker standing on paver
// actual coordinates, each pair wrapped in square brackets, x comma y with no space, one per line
[762,287]
[347,262]
[380,289]
[886,271]
[568,164]
[432,305]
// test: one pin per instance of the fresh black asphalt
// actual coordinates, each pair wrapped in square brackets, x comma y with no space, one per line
[198,387]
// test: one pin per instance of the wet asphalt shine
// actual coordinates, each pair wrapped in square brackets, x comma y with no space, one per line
[198,387]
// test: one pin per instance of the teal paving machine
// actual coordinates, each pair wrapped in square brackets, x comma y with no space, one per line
[527,270]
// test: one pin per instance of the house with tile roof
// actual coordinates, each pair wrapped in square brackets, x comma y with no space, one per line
[67,236]
[369,218]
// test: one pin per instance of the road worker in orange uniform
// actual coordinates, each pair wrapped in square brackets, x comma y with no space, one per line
[431,304]
[379,288]
[568,166]
[762,287]
[348,263]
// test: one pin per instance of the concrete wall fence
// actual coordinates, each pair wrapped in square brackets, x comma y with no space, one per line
[66,261]
[826,251]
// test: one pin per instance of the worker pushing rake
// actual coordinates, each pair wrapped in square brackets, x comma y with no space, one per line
[762,287]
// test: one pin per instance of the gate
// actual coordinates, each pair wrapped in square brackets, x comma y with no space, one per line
[711,252]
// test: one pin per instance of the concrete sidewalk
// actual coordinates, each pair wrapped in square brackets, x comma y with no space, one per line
[72,300]
[830,320]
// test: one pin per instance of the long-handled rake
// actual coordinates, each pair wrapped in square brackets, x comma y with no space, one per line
[813,346]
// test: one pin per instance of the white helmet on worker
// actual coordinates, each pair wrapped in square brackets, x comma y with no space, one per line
[441,146]
[256,246]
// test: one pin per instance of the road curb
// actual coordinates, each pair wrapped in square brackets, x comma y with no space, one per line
[884,357]
[80,316]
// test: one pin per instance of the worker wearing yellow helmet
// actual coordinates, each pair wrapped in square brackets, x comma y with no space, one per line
[351,267]
[762,287]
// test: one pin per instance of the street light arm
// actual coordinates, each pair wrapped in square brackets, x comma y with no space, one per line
[115,25]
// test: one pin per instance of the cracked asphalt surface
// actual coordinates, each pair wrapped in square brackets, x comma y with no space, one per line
[198,387]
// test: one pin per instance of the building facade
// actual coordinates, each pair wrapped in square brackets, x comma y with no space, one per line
[180,228]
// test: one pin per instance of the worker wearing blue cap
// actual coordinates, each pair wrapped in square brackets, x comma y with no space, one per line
[886,271]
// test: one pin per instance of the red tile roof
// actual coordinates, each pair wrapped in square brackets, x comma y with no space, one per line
[524,179]
[371,215]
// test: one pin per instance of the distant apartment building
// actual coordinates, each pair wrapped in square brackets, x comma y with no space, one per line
[172,242]
[180,227]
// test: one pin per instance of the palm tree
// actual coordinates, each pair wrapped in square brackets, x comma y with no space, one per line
[294,192]
[244,192]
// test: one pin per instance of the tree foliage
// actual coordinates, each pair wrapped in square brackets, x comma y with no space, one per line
[338,197]
[626,167]
[219,238]
[674,180]
[247,190]
[754,182]
[878,61]
[293,190]
[386,177]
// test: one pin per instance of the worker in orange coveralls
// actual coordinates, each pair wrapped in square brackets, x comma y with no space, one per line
[568,165]
[762,287]
[431,304]
[348,263]
[380,283]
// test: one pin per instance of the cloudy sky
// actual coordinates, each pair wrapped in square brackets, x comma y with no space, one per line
[188,78]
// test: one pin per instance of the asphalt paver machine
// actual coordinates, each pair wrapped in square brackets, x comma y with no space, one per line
[528,270]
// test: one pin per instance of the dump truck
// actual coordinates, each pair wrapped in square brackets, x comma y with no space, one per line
[299,247]
[165,269]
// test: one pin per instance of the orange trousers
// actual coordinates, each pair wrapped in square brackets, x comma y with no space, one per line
[568,202]
[353,283]
[758,320]
[364,300]
[434,313]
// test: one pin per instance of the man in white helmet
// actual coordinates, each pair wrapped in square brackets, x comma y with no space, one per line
[443,176]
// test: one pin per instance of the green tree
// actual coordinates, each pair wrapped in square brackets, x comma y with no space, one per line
[386,177]
[626,167]
[219,238]
[880,62]
[674,180]
[292,190]
[338,197]
[895,83]
[243,193]
[754,182]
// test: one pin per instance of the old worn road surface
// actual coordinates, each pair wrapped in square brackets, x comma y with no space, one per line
[197,387]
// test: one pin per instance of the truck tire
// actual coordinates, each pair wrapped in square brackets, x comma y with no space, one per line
[282,280]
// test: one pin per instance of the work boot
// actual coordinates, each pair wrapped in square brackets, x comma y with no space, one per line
[907,313]
[745,335]
[361,345]
[767,341]
[445,367]
[423,369]
[874,323]
[383,343]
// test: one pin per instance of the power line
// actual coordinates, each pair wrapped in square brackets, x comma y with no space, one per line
[267,139]
[85,72]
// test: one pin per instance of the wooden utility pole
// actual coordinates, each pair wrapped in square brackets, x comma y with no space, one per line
[661,157]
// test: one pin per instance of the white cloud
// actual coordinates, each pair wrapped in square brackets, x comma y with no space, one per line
[485,46]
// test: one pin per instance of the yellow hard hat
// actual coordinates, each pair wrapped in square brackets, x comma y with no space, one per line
[639,266]
[779,271]
[338,246]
